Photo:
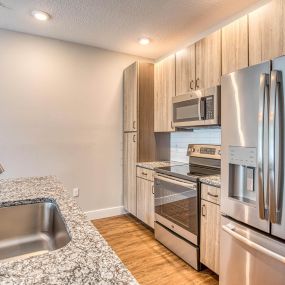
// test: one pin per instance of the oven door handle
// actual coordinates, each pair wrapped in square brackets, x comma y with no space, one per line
[176,182]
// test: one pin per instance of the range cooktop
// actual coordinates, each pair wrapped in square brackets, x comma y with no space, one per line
[187,171]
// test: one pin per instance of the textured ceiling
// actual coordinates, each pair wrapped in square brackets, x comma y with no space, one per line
[117,24]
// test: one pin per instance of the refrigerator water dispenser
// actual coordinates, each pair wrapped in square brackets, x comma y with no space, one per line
[242,174]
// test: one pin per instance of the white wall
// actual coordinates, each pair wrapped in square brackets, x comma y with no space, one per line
[61,114]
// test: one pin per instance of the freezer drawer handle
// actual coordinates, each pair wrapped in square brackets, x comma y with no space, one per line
[230,229]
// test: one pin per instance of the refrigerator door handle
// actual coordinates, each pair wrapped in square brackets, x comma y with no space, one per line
[274,151]
[262,124]
[231,230]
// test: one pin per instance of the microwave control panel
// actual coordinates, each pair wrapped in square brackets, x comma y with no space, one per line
[209,104]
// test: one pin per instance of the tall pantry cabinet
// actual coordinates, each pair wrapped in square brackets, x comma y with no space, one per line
[139,140]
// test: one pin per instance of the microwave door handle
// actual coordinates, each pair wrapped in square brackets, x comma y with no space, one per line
[263,104]
[275,146]
[202,108]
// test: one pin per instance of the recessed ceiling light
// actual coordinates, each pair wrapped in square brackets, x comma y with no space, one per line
[40,15]
[144,41]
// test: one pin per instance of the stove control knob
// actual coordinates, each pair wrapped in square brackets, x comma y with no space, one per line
[193,149]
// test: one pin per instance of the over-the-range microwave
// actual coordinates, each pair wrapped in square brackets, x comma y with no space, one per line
[197,108]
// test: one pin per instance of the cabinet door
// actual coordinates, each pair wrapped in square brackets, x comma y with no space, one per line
[235,45]
[129,177]
[266,32]
[209,61]
[145,201]
[130,97]
[210,235]
[164,85]
[185,70]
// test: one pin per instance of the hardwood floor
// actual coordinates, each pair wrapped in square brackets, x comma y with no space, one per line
[148,260]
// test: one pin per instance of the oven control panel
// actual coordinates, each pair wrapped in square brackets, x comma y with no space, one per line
[205,151]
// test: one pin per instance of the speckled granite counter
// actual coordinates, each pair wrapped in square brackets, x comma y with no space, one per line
[214,180]
[86,259]
[153,164]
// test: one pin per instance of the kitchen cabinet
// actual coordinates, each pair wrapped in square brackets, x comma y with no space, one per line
[139,139]
[130,97]
[164,90]
[267,32]
[129,177]
[209,61]
[210,228]
[145,201]
[185,70]
[235,45]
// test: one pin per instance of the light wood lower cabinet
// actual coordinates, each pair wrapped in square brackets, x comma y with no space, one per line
[145,201]
[210,235]
[129,177]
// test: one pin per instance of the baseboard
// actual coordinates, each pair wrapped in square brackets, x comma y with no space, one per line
[105,213]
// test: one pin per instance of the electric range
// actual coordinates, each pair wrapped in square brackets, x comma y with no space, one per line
[177,201]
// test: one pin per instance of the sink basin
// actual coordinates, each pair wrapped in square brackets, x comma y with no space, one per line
[31,229]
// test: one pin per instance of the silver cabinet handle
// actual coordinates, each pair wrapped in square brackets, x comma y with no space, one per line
[262,148]
[191,84]
[134,138]
[152,189]
[230,229]
[134,125]
[274,146]
[197,83]
[171,125]
[144,173]
[204,210]
[213,195]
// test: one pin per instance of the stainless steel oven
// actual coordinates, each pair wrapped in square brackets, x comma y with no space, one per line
[176,206]
[197,108]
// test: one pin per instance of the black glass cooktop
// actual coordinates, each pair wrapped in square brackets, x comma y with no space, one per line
[188,171]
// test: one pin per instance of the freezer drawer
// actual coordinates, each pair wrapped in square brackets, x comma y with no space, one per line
[248,257]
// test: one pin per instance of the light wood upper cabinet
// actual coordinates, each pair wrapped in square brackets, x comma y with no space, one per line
[130,97]
[164,90]
[129,177]
[235,45]
[209,61]
[185,70]
[267,32]
[210,235]
[145,201]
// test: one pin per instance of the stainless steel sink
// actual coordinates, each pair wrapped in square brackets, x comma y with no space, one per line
[31,229]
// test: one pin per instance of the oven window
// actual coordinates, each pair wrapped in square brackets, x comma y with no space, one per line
[186,111]
[177,204]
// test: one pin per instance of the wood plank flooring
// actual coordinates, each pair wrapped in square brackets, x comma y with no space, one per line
[148,260]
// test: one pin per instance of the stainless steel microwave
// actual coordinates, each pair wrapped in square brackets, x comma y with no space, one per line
[197,108]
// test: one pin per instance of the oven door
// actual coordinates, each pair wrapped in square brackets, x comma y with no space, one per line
[176,206]
[189,109]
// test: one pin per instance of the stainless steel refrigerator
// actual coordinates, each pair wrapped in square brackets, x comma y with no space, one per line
[252,197]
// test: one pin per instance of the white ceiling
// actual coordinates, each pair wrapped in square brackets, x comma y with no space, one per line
[117,24]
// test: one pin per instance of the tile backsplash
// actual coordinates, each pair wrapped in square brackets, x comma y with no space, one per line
[179,141]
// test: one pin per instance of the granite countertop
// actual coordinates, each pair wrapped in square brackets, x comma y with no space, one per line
[214,180]
[153,164]
[86,259]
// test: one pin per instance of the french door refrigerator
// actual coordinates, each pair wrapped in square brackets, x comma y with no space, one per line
[252,187]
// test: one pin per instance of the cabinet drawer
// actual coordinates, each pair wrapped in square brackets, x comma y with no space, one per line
[211,193]
[145,173]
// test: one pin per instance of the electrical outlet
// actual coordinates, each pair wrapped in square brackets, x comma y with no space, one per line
[75,192]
